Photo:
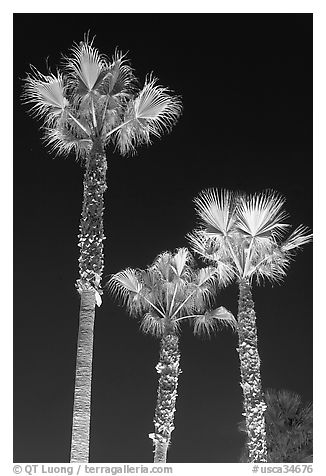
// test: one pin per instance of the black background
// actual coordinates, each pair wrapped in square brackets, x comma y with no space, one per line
[246,85]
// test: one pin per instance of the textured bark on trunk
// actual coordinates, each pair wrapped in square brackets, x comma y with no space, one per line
[161,449]
[169,371]
[91,224]
[254,404]
[83,380]
[89,287]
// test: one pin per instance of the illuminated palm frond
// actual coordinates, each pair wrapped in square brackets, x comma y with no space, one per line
[261,215]
[47,94]
[216,211]
[162,266]
[206,276]
[127,287]
[129,136]
[180,263]
[206,248]
[273,263]
[157,106]
[299,237]
[63,141]
[153,323]
[272,268]
[202,245]
[151,113]
[86,67]
[119,77]
[213,320]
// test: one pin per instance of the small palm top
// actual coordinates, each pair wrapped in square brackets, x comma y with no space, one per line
[94,98]
[171,290]
[244,234]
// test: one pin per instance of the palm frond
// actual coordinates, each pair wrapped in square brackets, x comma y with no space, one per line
[126,281]
[63,141]
[200,244]
[272,267]
[179,262]
[261,214]
[153,323]
[225,272]
[127,287]
[130,135]
[299,237]
[162,265]
[119,77]
[214,320]
[224,318]
[216,211]
[46,94]
[154,111]
[156,107]
[206,276]
[86,67]
[206,248]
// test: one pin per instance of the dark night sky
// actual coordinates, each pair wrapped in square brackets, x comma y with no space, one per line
[246,84]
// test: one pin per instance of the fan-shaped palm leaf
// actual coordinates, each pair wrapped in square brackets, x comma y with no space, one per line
[153,323]
[215,208]
[63,141]
[155,105]
[129,136]
[127,287]
[119,78]
[261,215]
[207,276]
[179,263]
[162,266]
[213,320]
[152,112]
[86,67]
[46,93]
[271,267]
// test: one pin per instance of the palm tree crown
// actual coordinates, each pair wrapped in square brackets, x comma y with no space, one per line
[170,290]
[94,98]
[244,234]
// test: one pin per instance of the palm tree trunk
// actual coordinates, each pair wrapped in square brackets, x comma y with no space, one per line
[254,405]
[83,380]
[89,287]
[169,370]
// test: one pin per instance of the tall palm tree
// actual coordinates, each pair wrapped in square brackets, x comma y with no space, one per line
[91,103]
[166,293]
[243,235]
[289,428]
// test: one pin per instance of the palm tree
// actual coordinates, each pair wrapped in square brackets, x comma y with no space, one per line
[168,292]
[289,428]
[90,104]
[243,235]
